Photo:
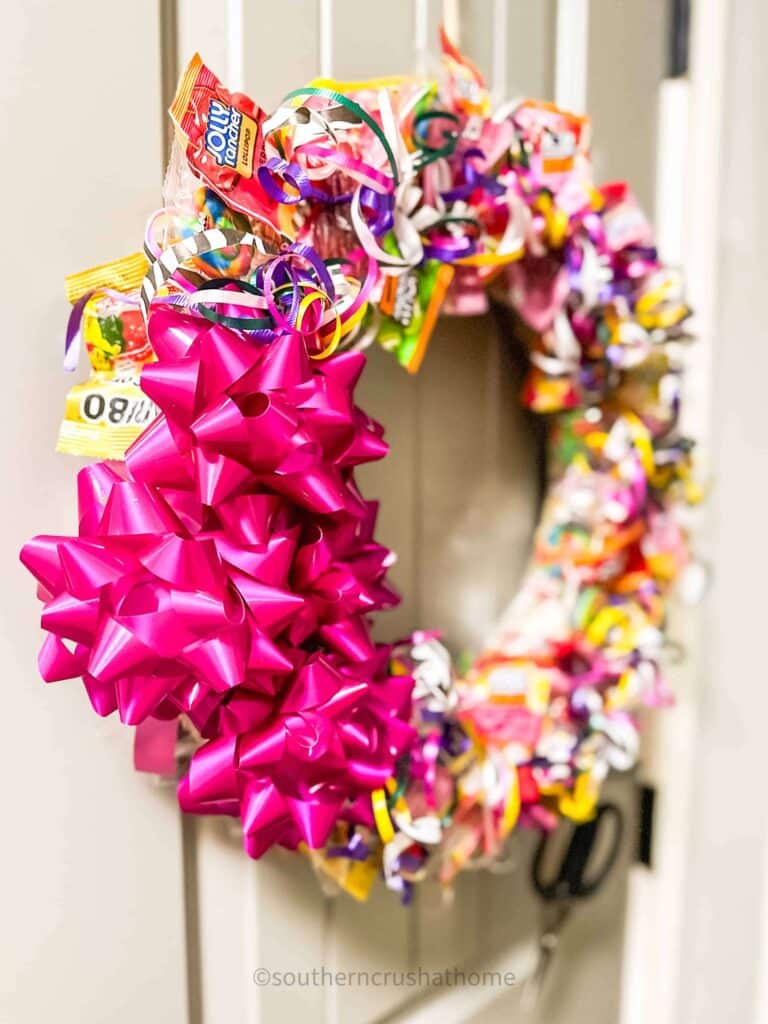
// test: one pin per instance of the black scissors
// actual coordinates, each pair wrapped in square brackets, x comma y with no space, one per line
[587,861]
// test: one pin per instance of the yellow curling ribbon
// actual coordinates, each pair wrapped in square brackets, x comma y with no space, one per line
[651,311]
[381,816]
[332,345]
[304,305]
[621,694]
[555,220]
[641,440]
[694,492]
[357,316]
[607,618]
[663,565]
[595,439]
[491,259]
[512,806]
[364,85]
[537,696]
[579,805]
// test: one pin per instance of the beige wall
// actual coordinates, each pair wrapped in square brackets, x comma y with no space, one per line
[91,928]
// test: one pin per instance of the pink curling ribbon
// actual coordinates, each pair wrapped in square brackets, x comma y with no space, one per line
[225,572]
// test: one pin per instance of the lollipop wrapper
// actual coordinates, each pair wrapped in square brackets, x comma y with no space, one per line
[105,414]
[223,141]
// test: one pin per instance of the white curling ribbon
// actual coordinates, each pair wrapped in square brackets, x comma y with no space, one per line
[564,355]
[635,342]
[390,263]
[593,275]
[391,852]
[626,225]
[495,779]
[389,126]
[551,366]
[389,857]
[176,255]
[411,215]
[556,747]
[346,292]
[589,699]
[669,389]
[566,346]
[518,222]
[310,126]
[409,220]
[619,441]
[621,743]
[650,641]
[407,197]
[471,783]
[426,830]
[433,676]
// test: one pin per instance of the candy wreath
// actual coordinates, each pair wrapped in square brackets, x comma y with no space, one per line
[219,592]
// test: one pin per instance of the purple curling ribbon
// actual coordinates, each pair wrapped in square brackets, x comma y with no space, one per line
[473,179]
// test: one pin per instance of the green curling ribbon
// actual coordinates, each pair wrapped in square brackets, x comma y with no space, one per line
[239,323]
[457,220]
[398,791]
[430,153]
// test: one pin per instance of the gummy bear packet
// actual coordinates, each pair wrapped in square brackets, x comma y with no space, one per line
[106,413]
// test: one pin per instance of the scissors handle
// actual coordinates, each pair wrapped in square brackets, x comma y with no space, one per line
[572,879]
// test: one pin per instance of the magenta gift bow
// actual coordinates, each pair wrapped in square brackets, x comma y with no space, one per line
[226,571]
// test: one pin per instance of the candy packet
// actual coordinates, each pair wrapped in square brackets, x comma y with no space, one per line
[552,143]
[106,413]
[221,133]
[464,84]
[408,309]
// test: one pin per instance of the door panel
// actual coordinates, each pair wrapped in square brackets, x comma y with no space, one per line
[458,503]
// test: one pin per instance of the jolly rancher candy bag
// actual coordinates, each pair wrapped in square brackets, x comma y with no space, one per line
[221,134]
[106,413]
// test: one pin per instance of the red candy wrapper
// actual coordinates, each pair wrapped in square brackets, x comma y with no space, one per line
[222,137]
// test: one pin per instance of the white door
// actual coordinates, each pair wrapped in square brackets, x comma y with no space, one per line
[121,911]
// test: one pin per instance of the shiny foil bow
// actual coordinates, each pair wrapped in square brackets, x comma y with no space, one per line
[226,572]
